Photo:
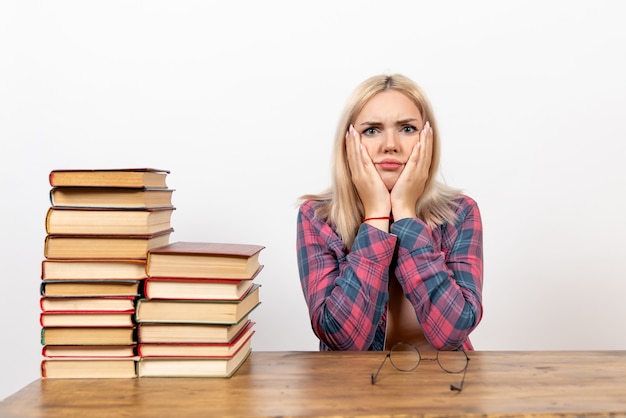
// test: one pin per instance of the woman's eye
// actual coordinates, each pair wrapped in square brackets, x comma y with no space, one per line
[409,129]
[369,131]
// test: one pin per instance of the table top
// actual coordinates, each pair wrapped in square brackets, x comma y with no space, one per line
[291,384]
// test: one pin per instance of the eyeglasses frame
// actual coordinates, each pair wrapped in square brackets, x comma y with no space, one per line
[457,388]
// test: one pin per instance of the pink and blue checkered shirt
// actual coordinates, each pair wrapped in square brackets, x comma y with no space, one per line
[440,270]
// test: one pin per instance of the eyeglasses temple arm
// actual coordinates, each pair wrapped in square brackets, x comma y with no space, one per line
[375,375]
[460,386]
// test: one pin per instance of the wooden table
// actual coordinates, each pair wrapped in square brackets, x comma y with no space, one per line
[546,383]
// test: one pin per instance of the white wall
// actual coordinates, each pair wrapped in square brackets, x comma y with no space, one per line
[239,100]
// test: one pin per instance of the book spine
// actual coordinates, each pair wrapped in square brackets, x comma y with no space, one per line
[148,260]
[145,289]
[48,215]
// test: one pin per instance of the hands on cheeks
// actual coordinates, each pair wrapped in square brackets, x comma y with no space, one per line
[412,181]
[401,200]
[372,191]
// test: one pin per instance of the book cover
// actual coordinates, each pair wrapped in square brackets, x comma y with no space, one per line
[197,311]
[189,333]
[84,288]
[86,319]
[109,177]
[204,259]
[200,350]
[194,367]
[210,249]
[93,269]
[175,288]
[106,197]
[86,368]
[107,221]
[89,351]
[88,336]
[87,304]
[103,246]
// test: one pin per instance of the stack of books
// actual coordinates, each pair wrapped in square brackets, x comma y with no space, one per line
[194,316]
[100,227]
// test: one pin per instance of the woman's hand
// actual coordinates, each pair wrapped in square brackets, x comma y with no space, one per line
[372,191]
[411,183]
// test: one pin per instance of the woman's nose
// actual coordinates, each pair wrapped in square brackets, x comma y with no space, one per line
[390,142]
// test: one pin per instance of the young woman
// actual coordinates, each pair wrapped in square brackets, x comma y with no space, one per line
[388,253]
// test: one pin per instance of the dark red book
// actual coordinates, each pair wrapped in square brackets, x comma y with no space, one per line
[197,311]
[197,350]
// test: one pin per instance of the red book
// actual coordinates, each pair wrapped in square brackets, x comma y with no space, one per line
[86,304]
[197,311]
[86,319]
[88,336]
[197,350]
[189,288]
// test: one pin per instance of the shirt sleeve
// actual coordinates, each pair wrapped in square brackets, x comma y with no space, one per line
[346,291]
[443,284]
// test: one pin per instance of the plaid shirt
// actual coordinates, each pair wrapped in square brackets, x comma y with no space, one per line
[440,270]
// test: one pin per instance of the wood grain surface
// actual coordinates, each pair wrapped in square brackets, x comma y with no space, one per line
[291,384]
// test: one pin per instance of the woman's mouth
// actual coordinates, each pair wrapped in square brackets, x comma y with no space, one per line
[390,164]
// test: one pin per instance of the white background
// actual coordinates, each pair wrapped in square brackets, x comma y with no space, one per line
[240,99]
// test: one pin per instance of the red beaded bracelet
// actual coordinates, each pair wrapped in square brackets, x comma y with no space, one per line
[388,218]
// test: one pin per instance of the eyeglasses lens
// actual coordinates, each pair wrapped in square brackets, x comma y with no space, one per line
[404,357]
[452,361]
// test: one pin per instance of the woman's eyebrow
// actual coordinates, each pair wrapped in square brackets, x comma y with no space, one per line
[408,120]
[399,122]
[370,123]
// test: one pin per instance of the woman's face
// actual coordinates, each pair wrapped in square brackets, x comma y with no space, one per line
[389,124]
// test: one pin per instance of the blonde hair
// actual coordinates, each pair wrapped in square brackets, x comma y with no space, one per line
[340,204]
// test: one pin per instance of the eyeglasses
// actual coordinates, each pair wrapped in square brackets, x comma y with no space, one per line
[406,357]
